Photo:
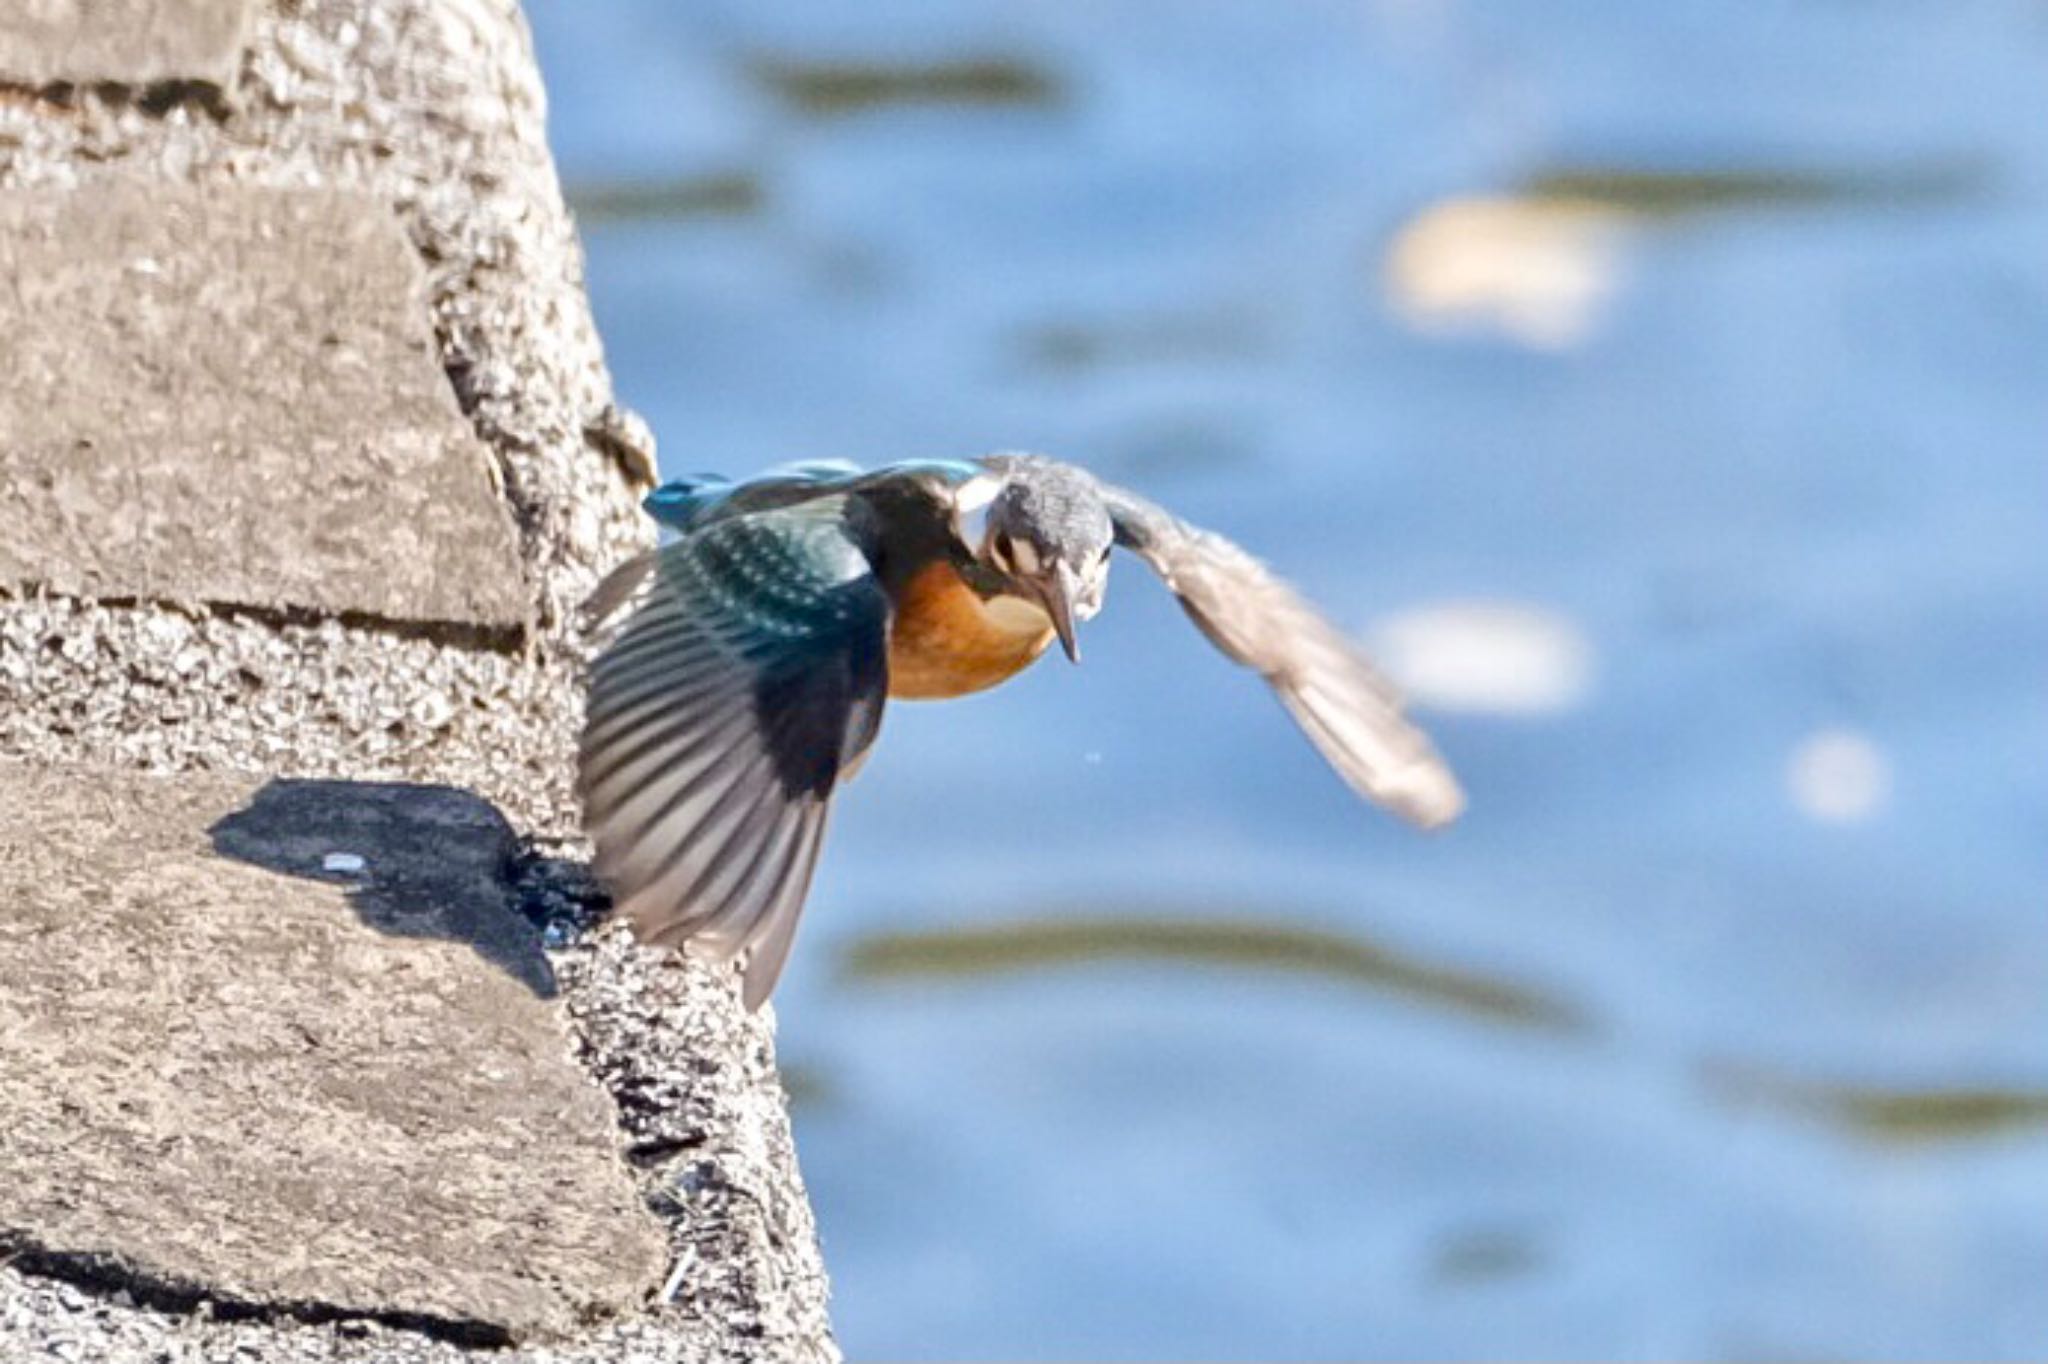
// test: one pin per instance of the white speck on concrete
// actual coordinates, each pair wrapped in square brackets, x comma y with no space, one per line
[685,1262]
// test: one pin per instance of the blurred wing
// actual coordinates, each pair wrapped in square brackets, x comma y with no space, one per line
[1351,713]
[617,588]
[749,679]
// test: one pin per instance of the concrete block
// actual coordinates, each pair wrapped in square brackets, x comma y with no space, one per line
[127,42]
[231,396]
[285,1044]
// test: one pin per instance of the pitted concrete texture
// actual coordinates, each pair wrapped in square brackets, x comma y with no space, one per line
[232,397]
[130,42]
[437,107]
[284,1045]
[434,108]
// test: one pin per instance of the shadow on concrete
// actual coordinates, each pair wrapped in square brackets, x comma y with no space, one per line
[417,861]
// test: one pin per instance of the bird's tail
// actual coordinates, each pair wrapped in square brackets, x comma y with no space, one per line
[679,502]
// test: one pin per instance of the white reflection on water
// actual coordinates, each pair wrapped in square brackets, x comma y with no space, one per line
[1501,658]
[1538,273]
[1838,776]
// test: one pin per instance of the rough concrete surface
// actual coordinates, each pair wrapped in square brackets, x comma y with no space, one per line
[140,42]
[246,1077]
[232,396]
[429,112]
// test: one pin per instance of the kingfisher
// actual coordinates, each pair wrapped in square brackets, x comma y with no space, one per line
[746,663]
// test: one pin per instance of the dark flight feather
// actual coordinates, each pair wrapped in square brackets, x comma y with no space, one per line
[749,679]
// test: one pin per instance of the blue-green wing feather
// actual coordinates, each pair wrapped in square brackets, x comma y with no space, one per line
[749,680]
[684,504]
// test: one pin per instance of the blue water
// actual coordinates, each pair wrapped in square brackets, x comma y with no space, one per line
[1771,454]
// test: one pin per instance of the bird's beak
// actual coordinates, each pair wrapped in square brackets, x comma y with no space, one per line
[1059,604]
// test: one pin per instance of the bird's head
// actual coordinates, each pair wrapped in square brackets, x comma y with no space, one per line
[1049,534]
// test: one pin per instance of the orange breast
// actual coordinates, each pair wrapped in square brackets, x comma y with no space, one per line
[947,641]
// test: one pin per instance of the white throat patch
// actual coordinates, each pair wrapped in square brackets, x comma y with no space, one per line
[1015,616]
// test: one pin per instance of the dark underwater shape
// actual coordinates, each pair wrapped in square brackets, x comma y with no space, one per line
[1675,193]
[830,89]
[733,194]
[1892,1114]
[1259,944]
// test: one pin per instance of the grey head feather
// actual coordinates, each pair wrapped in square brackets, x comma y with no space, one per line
[1057,506]
[1049,530]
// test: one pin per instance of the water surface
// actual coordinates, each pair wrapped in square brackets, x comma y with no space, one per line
[1663,385]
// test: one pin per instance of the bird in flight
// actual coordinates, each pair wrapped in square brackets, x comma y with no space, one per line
[748,662]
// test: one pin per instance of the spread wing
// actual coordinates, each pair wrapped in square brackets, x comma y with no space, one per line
[1351,713]
[749,679]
